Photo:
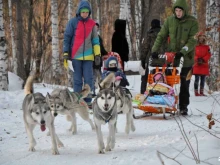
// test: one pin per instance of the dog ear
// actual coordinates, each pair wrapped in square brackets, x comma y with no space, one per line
[100,87]
[48,96]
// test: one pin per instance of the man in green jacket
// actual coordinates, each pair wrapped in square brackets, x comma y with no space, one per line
[181,28]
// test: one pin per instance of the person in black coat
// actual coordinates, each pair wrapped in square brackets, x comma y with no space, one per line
[119,41]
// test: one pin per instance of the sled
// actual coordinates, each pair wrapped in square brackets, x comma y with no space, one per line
[173,80]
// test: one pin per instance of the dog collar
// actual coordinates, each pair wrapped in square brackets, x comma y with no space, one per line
[106,120]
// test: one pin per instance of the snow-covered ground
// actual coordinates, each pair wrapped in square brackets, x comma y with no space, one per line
[138,148]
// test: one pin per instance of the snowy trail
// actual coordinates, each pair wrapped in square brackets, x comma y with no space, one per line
[138,148]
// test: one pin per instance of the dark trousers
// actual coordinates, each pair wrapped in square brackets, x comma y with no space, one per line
[184,88]
[202,81]
[144,81]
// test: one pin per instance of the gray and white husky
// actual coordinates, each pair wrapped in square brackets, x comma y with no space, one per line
[37,112]
[105,111]
[124,100]
[63,101]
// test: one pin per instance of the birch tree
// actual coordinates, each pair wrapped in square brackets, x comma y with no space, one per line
[14,60]
[70,9]
[3,55]
[193,8]
[212,23]
[55,42]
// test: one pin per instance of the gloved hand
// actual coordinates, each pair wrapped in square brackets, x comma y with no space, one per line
[65,59]
[200,61]
[97,60]
[178,55]
[143,64]
[154,55]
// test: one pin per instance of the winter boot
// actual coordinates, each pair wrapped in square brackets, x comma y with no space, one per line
[197,93]
[202,92]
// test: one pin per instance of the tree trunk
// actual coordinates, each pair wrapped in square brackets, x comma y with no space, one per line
[193,8]
[212,21]
[109,13]
[70,9]
[19,38]
[14,61]
[29,39]
[201,10]
[3,55]
[55,43]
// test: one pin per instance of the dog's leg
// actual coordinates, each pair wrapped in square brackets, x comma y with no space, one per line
[59,143]
[110,139]
[112,143]
[73,127]
[53,138]
[128,123]
[132,120]
[32,141]
[101,145]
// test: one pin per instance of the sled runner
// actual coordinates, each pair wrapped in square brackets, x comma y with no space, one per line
[161,95]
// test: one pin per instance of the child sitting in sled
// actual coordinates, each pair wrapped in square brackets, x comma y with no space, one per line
[159,92]
[111,65]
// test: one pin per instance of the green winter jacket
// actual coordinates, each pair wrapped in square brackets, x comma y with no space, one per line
[181,33]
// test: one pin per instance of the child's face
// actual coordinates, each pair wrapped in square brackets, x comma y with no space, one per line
[112,65]
[201,39]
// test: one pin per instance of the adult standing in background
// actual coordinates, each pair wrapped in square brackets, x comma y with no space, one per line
[201,66]
[181,29]
[119,41]
[147,45]
[81,45]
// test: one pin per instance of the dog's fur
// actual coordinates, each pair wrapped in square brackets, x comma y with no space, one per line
[124,104]
[124,100]
[62,101]
[37,112]
[105,111]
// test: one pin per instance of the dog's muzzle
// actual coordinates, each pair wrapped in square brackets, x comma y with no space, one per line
[55,114]
[106,107]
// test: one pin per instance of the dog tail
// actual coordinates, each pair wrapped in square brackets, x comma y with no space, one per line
[108,80]
[28,88]
[86,90]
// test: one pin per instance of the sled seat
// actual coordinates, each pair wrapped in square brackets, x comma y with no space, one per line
[172,79]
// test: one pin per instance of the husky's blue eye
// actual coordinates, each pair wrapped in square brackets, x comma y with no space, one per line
[102,98]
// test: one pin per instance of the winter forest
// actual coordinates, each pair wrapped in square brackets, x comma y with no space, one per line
[32,32]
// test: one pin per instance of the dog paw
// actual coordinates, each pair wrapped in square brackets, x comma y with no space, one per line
[32,149]
[107,148]
[55,152]
[101,152]
[74,132]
